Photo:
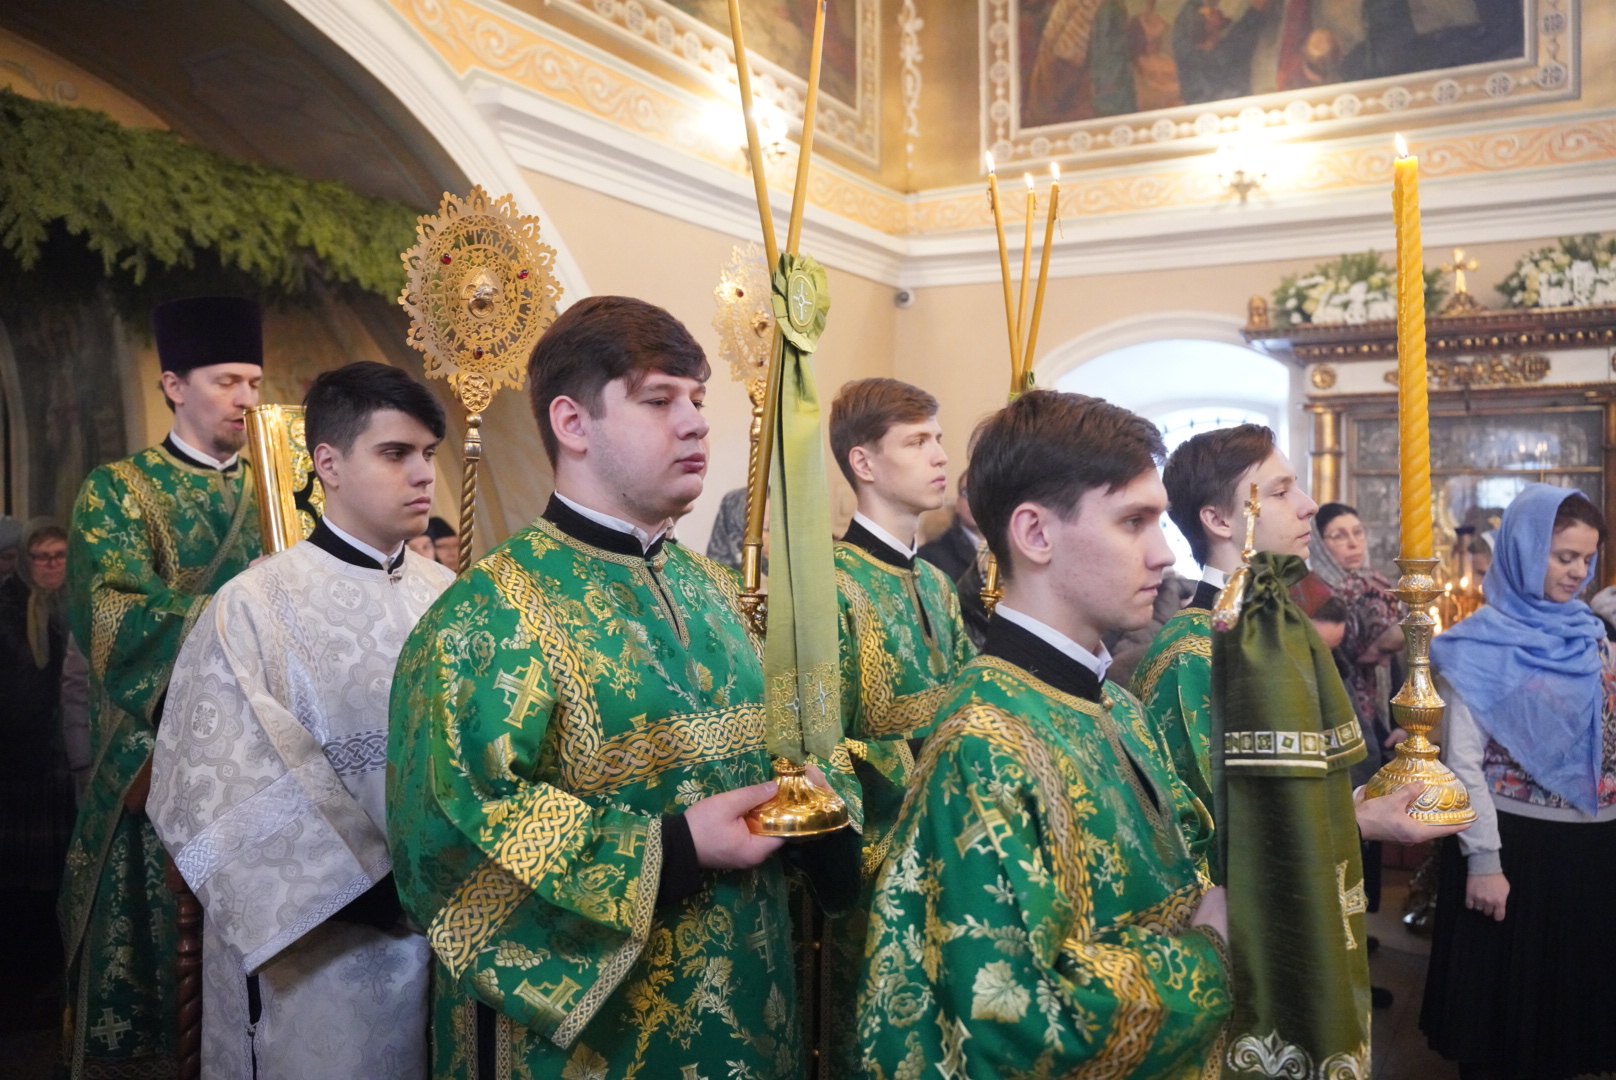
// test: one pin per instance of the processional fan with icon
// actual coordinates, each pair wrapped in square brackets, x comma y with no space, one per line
[481,292]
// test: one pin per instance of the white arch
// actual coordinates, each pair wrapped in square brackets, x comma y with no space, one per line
[379,39]
[1137,330]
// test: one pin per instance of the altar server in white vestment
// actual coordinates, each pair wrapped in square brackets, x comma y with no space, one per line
[269,774]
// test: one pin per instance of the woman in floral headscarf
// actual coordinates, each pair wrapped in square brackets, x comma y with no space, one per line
[1341,558]
[1525,937]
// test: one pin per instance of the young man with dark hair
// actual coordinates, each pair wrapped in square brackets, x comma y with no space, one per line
[153,537]
[1040,911]
[577,737]
[1208,480]
[269,774]
[902,643]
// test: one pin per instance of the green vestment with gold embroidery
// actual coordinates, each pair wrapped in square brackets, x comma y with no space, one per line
[1287,737]
[902,643]
[1032,916]
[153,537]
[555,703]
[1174,683]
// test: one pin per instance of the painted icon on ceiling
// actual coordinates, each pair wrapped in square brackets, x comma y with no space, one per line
[1081,59]
[783,31]
[1097,78]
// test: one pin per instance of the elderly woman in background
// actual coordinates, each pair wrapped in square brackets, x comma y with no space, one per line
[1525,938]
[1372,635]
[36,794]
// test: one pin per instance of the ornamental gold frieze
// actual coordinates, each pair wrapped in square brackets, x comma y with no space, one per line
[1484,332]
[1517,370]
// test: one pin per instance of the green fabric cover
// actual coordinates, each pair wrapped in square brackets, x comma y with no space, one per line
[1285,735]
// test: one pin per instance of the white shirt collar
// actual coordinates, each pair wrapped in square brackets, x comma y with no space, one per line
[614,523]
[1097,664]
[206,459]
[383,560]
[1214,577]
[906,550]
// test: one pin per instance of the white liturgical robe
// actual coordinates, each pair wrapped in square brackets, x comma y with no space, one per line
[268,789]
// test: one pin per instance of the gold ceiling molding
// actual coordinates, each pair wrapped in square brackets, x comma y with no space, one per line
[1548,72]
[1188,184]
[502,40]
[472,38]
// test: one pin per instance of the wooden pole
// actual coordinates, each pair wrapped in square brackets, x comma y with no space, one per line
[758,493]
[799,191]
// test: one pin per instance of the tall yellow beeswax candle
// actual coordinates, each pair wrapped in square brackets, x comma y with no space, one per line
[1413,409]
[1004,272]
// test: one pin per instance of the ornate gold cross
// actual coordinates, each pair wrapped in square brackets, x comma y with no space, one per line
[528,690]
[1253,512]
[1458,267]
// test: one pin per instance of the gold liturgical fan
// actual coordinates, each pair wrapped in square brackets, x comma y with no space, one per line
[481,292]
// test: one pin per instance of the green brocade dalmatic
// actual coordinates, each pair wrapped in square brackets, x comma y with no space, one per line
[800,653]
[1284,735]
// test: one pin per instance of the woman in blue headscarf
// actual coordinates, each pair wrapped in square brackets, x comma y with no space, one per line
[1525,941]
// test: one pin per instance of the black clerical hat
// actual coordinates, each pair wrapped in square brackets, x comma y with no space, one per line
[204,330]
[438,529]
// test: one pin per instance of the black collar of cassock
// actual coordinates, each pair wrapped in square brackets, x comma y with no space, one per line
[329,542]
[1029,652]
[597,535]
[173,448]
[868,542]
[1206,594]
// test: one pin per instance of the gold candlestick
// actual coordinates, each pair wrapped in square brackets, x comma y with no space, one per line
[799,809]
[1418,709]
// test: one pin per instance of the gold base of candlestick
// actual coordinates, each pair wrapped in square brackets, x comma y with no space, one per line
[1418,709]
[800,809]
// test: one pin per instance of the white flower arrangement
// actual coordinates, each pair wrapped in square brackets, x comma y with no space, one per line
[1579,272]
[1349,290]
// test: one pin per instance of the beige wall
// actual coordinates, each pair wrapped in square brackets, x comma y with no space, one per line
[627,250]
[953,342]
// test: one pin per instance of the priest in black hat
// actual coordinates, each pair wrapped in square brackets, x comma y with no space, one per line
[153,537]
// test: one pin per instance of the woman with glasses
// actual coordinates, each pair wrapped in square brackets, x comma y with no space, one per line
[1372,636]
[36,793]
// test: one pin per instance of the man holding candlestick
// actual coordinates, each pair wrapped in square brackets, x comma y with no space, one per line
[1206,479]
[578,734]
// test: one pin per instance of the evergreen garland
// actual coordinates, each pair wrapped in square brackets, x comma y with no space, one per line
[153,214]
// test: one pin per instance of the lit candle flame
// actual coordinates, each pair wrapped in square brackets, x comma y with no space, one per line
[988,154]
[1054,171]
[1027,177]
[1402,147]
